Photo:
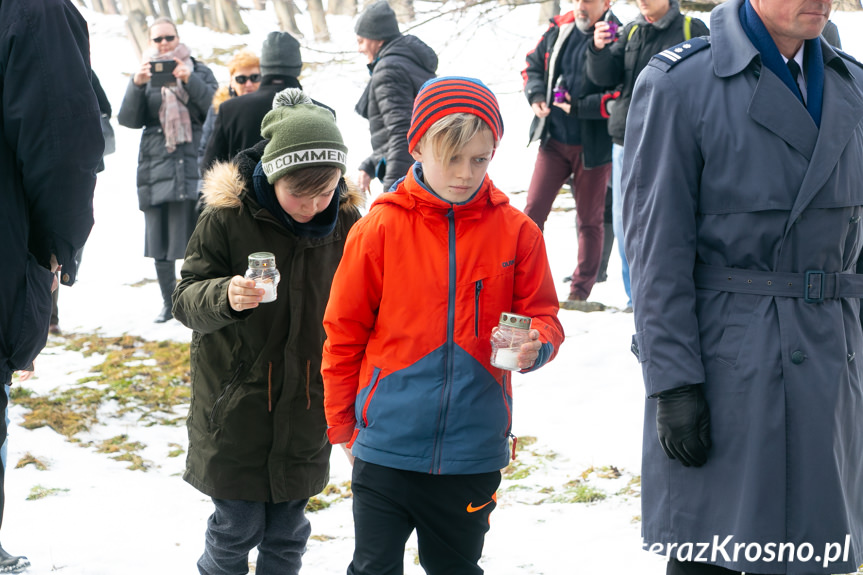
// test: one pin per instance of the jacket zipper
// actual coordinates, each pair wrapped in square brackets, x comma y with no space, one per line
[477,291]
[225,394]
[437,448]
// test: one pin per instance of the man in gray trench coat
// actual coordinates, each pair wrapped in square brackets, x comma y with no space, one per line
[742,201]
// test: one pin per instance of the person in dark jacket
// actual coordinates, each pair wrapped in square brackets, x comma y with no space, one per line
[831,34]
[105,109]
[742,205]
[399,64]
[238,125]
[618,60]
[171,116]
[244,71]
[257,433]
[50,145]
[573,133]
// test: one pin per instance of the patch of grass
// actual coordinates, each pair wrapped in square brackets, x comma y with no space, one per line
[146,377]
[330,494]
[578,493]
[316,504]
[40,492]
[633,487]
[176,450]
[516,471]
[321,537]
[141,283]
[30,459]
[124,450]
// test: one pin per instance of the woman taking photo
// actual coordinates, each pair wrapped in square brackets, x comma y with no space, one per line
[168,96]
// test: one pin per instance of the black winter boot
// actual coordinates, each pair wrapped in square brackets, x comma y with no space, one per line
[167,282]
[12,564]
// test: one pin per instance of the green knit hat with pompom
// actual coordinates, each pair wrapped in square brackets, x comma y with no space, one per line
[301,134]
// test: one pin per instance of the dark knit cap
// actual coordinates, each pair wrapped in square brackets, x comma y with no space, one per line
[378,22]
[281,55]
[441,97]
[301,134]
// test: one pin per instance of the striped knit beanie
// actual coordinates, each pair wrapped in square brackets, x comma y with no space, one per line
[441,97]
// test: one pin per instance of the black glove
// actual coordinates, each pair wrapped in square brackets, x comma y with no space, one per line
[683,424]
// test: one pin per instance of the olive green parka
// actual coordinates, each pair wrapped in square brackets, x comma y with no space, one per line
[256,423]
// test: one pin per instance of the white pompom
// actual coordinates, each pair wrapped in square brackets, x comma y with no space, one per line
[290,97]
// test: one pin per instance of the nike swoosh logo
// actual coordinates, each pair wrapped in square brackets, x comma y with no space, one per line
[472,509]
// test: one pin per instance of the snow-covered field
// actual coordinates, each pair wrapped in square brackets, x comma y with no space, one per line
[581,415]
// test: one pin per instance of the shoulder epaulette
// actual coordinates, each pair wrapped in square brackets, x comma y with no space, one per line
[670,57]
[846,56]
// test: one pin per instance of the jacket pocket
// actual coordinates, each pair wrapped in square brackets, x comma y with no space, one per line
[220,405]
[364,398]
[30,326]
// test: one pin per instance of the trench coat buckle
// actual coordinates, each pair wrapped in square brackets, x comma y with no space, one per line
[814,290]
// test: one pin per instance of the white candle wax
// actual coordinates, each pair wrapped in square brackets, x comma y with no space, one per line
[269,291]
[507,358]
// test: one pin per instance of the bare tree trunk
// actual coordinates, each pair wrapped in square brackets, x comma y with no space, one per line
[285,11]
[849,5]
[404,10]
[259,4]
[148,7]
[547,10]
[195,13]
[342,7]
[110,7]
[97,6]
[217,18]
[164,9]
[319,20]
[179,13]
[136,28]
[233,21]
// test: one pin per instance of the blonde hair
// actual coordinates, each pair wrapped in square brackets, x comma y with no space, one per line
[243,59]
[450,134]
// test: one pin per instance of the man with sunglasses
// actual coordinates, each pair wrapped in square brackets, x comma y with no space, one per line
[238,124]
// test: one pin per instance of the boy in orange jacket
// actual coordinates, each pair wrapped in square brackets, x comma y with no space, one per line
[408,383]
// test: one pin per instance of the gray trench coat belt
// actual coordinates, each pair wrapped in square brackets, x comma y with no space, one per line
[813,286]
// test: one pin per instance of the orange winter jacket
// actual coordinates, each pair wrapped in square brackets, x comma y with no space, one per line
[406,366]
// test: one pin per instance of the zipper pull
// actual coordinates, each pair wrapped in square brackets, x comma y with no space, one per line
[514,443]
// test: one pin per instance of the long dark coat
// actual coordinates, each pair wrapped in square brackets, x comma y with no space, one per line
[238,124]
[50,144]
[256,424]
[402,66]
[167,176]
[724,166]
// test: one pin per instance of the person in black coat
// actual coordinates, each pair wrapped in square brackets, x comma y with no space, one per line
[618,59]
[399,64]
[238,124]
[172,116]
[570,120]
[50,144]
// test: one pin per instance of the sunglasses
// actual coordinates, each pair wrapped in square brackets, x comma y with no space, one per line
[158,39]
[242,78]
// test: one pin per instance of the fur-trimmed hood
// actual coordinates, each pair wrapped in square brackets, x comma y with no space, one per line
[226,182]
